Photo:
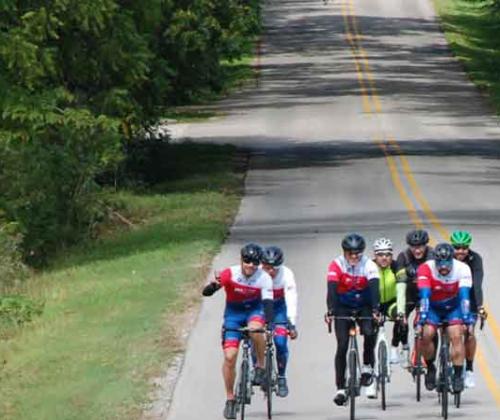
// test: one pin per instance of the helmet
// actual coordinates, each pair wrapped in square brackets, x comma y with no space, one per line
[273,256]
[353,242]
[417,237]
[382,245]
[461,238]
[251,252]
[443,254]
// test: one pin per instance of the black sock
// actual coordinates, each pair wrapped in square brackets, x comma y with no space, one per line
[468,365]
[457,370]
[430,364]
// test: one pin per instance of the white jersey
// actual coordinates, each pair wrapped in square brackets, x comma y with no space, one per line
[284,286]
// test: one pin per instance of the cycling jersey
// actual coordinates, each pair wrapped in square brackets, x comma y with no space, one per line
[242,291]
[475,263]
[285,292]
[406,269]
[387,283]
[353,281]
[444,289]
[244,296]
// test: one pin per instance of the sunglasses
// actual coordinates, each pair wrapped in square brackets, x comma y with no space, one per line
[354,253]
[253,261]
[383,254]
[457,247]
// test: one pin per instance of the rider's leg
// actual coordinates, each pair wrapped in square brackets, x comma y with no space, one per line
[456,334]
[428,347]
[229,370]
[342,334]
[470,349]
[258,341]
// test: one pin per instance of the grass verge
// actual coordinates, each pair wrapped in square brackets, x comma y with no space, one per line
[472,29]
[108,326]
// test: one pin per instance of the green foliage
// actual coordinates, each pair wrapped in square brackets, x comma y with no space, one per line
[80,79]
[12,270]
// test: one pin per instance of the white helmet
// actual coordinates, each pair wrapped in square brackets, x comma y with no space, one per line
[382,245]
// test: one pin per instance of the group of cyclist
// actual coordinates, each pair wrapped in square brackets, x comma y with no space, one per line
[441,284]
[260,291]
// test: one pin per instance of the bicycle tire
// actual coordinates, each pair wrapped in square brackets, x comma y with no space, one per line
[352,362]
[444,381]
[269,383]
[243,388]
[382,372]
[457,399]
[418,374]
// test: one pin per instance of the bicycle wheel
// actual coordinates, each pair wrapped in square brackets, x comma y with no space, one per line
[457,398]
[444,381]
[382,371]
[243,388]
[353,364]
[418,368]
[269,383]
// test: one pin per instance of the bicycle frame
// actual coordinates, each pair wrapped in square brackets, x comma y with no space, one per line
[382,368]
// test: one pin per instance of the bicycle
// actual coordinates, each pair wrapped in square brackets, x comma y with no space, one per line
[382,363]
[353,361]
[244,386]
[445,372]
[271,374]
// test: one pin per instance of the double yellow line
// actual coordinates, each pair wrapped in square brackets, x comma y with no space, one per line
[372,107]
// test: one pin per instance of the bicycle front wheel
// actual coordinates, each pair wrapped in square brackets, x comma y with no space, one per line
[243,388]
[444,382]
[353,365]
[269,384]
[382,372]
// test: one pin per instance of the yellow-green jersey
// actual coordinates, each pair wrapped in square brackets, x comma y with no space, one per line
[387,283]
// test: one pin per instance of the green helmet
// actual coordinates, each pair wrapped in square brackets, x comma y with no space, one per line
[460,237]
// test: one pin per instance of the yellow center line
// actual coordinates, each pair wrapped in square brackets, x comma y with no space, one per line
[356,48]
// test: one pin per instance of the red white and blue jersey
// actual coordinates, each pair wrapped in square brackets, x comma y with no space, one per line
[353,280]
[285,289]
[246,290]
[444,289]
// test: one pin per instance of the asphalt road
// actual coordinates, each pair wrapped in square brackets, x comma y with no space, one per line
[361,121]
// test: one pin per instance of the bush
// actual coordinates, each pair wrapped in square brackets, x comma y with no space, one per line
[12,270]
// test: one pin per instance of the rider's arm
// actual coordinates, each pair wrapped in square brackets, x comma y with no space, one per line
[372,274]
[464,286]
[266,293]
[373,284]
[477,279]
[424,290]
[211,288]
[332,295]
[291,297]
[401,283]
[332,298]
[215,285]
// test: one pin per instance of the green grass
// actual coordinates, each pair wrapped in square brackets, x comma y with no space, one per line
[109,322]
[473,32]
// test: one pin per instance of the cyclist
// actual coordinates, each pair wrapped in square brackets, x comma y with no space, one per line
[352,288]
[390,299]
[285,309]
[444,285]
[249,301]
[407,263]
[461,240]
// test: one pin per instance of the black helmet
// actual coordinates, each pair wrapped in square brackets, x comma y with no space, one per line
[273,256]
[251,252]
[417,237]
[353,242]
[443,254]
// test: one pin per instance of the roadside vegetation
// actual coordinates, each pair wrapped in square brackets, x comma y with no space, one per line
[472,28]
[106,228]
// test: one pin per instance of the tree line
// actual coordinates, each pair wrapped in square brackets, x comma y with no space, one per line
[81,81]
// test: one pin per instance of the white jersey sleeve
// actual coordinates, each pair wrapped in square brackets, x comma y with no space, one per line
[291,295]
[266,286]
